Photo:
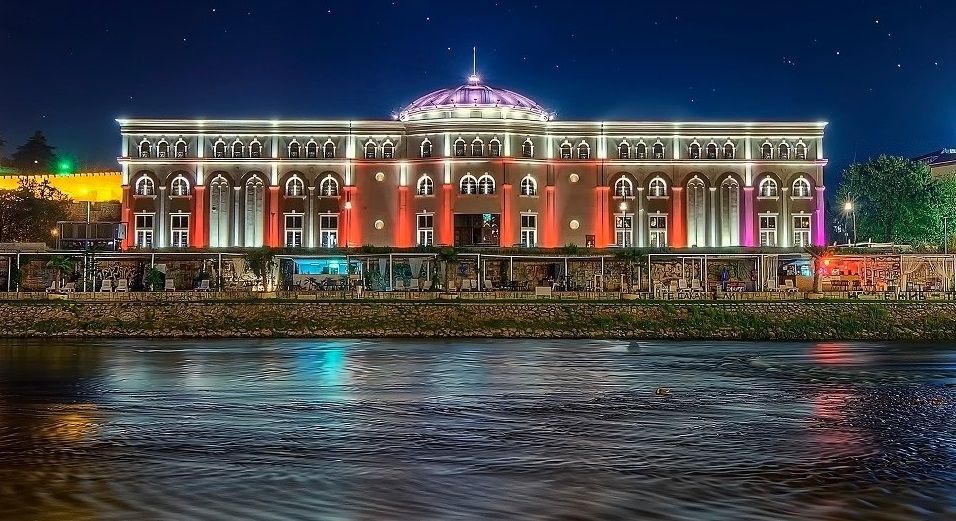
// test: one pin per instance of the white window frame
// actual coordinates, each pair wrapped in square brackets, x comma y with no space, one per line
[293,234]
[494,148]
[484,182]
[185,148]
[624,150]
[480,149]
[298,149]
[802,235]
[694,149]
[183,183]
[472,184]
[148,151]
[763,151]
[528,186]
[527,148]
[295,180]
[460,152]
[624,230]
[807,188]
[325,149]
[768,230]
[365,149]
[528,237]
[657,188]
[425,230]
[733,150]
[800,146]
[143,235]
[657,237]
[717,150]
[428,142]
[328,180]
[425,186]
[179,234]
[232,149]
[144,186]
[160,153]
[764,188]
[780,154]
[328,235]
[252,148]
[623,187]
[584,147]
[663,152]
[388,150]
[566,150]
[219,149]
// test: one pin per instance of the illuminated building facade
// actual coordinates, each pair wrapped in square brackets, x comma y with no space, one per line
[471,166]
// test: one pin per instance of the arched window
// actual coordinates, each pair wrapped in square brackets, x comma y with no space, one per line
[801,188]
[328,150]
[162,148]
[565,150]
[529,186]
[426,148]
[237,147]
[468,185]
[144,148]
[295,149]
[486,185]
[254,212]
[658,150]
[712,150]
[294,187]
[494,148]
[729,150]
[477,147]
[696,222]
[623,187]
[312,149]
[219,149]
[145,186]
[694,150]
[729,212]
[460,148]
[658,187]
[179,187]
[584,151]
[370,150]
[255,148]
[801,150]
[181,148]
[219,212]
[527,148]
[766,151]
[640,151]
[426,186]
[329,187]
[624,150]
[388,150]
[784,149]
[768,188]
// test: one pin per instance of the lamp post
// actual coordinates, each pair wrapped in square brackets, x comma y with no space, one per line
[848,208]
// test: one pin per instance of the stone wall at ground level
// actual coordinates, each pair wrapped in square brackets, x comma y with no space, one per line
[650,320]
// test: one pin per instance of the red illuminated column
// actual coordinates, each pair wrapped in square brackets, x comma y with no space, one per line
[446,226]
[507,236]
[748,216]
[273,238]
[403,232]
[678,218]
[550,219]
[350,231]
[602,216]
[125,217]
[198,235]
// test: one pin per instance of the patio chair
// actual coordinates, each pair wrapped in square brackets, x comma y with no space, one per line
[696,290]
[414,284]
[122,285]
[106,286]
[169,285]
[488,286]
[203,285]
[789,288]
[69,287]
[52,287]
[682,288]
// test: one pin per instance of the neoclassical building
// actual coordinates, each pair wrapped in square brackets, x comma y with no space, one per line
[471,165]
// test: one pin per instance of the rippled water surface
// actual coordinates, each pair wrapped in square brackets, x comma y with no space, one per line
[358,430]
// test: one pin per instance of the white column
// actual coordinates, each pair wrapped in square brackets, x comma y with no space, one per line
[235,216]
[507,144]
[641,235]
[784,225]
[200,146]
[161,240]
[713,217]
[307,223]
[676,151]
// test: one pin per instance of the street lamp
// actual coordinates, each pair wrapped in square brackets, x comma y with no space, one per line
[848,208]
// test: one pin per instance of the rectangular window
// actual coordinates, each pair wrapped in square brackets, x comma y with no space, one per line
[529,230]
[801,230]
[179,230]
[426,229]
[293,230]
[624,230]
[144,230]
[328,231]
[768,230]
[657,224]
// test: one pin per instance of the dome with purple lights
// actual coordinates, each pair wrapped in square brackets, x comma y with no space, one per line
[490,102]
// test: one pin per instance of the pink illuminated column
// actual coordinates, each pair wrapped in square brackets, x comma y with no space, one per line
[199,217]
[820,231]
[749,216]
[446,226]
[126,217]
[550,219]
[506,232]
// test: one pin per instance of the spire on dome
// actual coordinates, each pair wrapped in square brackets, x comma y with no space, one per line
[474,79]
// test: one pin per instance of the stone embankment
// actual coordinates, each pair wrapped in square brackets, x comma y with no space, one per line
[804,320]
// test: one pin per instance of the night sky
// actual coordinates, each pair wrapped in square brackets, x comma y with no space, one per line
[882,73]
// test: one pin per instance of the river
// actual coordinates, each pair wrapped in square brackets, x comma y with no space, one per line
[509,429]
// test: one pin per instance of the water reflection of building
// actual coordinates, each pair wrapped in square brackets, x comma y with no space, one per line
[471,165]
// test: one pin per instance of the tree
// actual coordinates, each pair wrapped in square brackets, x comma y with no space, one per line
[896,200]
[59,265]
[34,156]
[633,260]
[30,212]
[817,256]
[261,262]
[446,257]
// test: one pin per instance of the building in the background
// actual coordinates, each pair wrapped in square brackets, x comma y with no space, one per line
[941,162]
[471,166]
[93,213]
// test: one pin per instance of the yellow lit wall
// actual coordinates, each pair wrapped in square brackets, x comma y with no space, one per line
[92,186]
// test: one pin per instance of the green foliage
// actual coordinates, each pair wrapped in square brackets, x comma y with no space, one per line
[155,280]
[30,212]
[570,249]
[896,200]
[34,156]
[261,262]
